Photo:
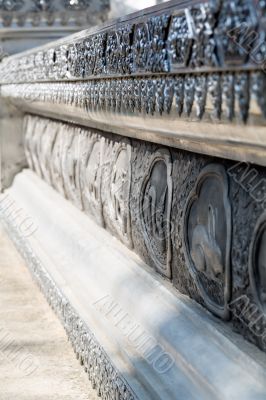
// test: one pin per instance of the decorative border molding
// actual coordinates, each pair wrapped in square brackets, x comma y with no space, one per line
[105,378]
[226,97]
[165,39]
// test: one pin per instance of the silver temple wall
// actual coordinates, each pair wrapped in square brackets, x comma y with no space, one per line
[148,125]
[169,85]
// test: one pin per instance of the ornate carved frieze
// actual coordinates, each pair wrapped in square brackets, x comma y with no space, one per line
[214,35]
[209,97]
[149,50]
[179,41]
[237,30]
[205,18]
[207,238]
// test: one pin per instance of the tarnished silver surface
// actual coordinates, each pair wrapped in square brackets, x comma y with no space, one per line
[176,75]
[179,74]
[190,37]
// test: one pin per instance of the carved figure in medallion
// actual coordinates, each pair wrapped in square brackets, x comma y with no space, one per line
[156,200]
[32,143]
[47,140]
[71,165]
[91,178]
[257,264]
[117,184]
[28,132]
[205,251]
[207,238]
[58,149]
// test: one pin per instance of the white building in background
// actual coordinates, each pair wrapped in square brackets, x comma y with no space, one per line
[120,8]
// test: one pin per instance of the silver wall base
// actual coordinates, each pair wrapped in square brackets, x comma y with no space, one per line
[136,336]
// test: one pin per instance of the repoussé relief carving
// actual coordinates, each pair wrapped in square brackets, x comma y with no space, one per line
[207,238]
[89,169]
[209,97]
[28,129]
[191,38]
[91,178]
[155,208]
[257,263]
[33,146]
[170,64]
[180,40]
[117,182]
[56,161]
[94,172]
[47,141]
[71,165]
[131,188]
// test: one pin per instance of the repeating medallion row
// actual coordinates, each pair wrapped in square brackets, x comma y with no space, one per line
[181,212]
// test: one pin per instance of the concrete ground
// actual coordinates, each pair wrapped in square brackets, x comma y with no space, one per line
[36,360]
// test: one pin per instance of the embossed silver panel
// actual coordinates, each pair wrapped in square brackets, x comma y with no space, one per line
[207,238]
[155,210]
[257,264]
